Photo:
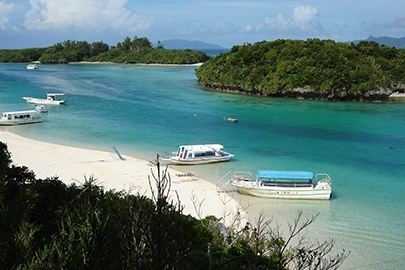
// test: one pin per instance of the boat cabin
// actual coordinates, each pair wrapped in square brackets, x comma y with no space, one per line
[54,96]
[200,151]
[285,178]
[20,117]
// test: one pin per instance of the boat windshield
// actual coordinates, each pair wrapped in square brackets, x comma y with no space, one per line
[204,154]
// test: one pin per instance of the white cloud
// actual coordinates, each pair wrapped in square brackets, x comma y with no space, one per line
[5,11]
[301,20]
[397,23]
[83,14]
[400,21]
[188,32]
[248,28]
[304,15]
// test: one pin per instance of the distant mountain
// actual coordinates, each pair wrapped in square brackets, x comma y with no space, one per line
[186,44]
[389,41]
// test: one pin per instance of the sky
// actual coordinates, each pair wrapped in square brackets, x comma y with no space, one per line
[43,23]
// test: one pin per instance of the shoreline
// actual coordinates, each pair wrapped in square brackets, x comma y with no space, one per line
[134,64]
[73,165]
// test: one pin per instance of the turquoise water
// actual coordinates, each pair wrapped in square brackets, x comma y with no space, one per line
[145,110]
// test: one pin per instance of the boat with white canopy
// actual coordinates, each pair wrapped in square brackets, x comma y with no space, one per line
[51,99]
[32,66]
[20,117]
[199,154]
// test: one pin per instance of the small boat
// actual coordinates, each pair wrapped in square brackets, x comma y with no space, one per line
[199,154]
[41,108]
[20,117]
[231,120]
[283,184]
[51,99]
[32,66]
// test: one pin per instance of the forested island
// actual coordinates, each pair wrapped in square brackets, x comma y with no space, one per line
[311,69]
[130,51]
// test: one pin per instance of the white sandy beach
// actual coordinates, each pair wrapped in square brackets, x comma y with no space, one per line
[74,165]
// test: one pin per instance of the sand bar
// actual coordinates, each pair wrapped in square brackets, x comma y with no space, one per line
[74,165]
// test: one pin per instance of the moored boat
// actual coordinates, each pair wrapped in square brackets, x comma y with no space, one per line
[32,66]
[41,108]
[199,154]
[230,119]
[283,184]
[20,117]
[51,99]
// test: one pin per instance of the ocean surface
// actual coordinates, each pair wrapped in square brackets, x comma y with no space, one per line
[146,110]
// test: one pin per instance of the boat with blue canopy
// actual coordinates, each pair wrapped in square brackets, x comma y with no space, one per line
[283,184]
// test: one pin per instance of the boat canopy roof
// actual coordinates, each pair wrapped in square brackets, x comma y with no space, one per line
[21,112]
[203,147]
[55,94]
[296,175]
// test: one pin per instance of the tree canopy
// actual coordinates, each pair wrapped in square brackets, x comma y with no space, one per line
[319,69]
[136,50]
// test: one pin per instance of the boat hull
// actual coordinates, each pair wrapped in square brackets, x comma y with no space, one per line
[200,161]
[284,193]
[22,122]
[19,122]
[43,101]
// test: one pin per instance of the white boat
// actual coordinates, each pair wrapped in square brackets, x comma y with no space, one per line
[230,119]
[20,117]
[283,184]
[41,108]
[199,154]
[32,66]
[51,99]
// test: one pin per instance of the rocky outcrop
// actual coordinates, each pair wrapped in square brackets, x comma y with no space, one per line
[304,93]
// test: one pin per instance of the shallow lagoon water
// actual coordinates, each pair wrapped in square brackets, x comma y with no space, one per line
[145,110]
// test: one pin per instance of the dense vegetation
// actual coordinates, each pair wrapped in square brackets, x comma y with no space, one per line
[21,56]
[137,50]
[318,69]
[46,224]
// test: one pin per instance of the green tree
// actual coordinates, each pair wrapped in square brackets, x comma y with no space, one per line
[97,48]
[142,43]
[126,44]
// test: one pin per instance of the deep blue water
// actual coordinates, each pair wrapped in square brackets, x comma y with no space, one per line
[145,110]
